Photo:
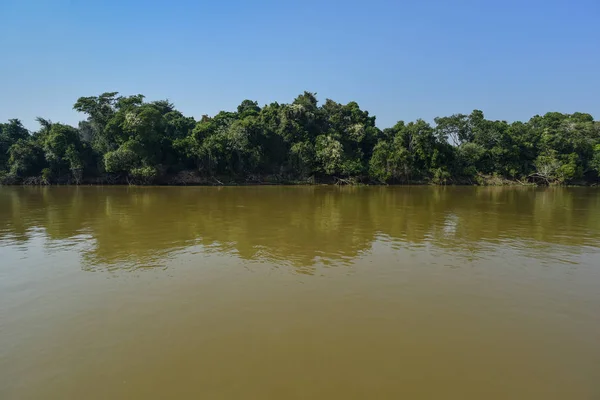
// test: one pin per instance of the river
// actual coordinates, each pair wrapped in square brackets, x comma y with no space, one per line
[299,293]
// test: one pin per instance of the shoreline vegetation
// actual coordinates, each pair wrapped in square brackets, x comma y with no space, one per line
[126,140]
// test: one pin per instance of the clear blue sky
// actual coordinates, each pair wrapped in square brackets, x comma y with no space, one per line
[397,59]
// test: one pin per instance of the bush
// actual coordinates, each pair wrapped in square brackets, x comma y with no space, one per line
[47,175]
[120,160]
[143,175]
[440,176]
[8,178]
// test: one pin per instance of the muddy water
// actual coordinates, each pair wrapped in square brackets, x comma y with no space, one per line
[299,293]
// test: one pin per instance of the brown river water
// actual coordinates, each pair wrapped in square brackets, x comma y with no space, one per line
[299,293]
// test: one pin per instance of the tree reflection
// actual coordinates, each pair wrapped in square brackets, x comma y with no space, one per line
[130,227]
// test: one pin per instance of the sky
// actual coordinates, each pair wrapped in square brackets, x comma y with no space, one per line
[400,60]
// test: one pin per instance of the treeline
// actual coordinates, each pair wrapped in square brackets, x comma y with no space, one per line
[127,140]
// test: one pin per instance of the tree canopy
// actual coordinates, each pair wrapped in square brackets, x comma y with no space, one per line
[125,139]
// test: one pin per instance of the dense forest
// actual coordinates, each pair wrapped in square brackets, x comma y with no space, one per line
[127,140]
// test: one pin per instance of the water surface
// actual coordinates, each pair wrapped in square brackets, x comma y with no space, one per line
[299,293]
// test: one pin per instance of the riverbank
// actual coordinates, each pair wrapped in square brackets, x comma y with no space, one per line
[193,178]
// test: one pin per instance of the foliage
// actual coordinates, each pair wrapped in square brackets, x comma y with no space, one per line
[10,133]
[121,160]
[595,162]
[143,175]
[26,158]
[127,139]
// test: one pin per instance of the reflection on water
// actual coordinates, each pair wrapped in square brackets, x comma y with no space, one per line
[299,293]
[128,228]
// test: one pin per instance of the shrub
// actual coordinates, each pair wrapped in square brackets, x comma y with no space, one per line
[143,175]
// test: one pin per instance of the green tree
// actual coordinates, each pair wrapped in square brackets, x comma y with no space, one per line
[26,158]
[10,133]
[128,139]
